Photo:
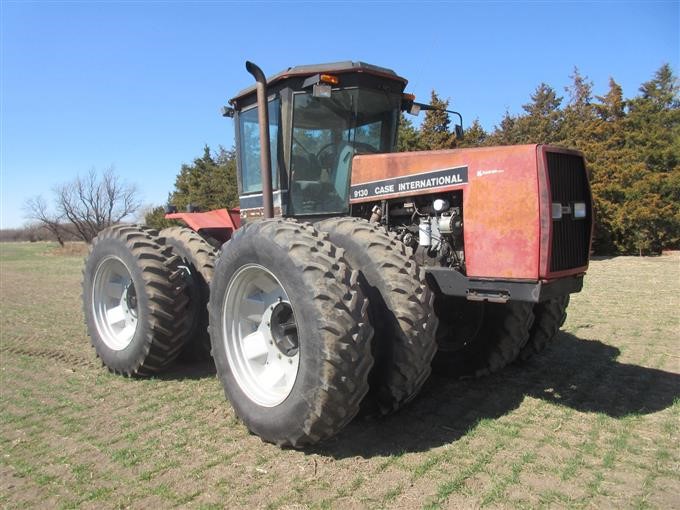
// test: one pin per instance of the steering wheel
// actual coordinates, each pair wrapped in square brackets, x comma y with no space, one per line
[325,159]
[361,146]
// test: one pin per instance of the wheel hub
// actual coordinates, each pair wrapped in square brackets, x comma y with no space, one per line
[260,335]
[130,299]
[114,303]
[284,329]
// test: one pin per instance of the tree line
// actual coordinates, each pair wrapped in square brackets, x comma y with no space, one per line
[632,148]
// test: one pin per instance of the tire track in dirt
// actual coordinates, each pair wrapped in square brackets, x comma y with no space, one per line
[72,360]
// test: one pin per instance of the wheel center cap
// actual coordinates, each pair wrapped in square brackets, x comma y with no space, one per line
[131,299]
[283,329]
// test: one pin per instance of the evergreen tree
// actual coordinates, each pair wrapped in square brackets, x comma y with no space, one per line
[654,122]
[475,136]
[155,218]
[409,136]
[579,114]
[580,92]
[506,133]
[608,160]
[662,91]
[434,132]
[650,219]
[612,105]
[543,121]
[634,154]
[209,183]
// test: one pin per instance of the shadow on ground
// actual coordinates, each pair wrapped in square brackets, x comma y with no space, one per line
[187,369]
[581,374]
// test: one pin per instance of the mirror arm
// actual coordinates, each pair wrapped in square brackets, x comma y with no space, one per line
[428,107]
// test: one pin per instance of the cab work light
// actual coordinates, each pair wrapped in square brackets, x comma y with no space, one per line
[329,78]
[579,210]
[556,211]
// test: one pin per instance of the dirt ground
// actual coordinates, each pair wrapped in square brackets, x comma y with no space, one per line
[591,422]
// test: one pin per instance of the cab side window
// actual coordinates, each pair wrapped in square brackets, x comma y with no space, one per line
[249,138]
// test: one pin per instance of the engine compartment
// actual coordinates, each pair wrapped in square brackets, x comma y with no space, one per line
[431,225]
[487,212]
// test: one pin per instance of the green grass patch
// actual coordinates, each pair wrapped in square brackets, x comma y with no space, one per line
[591,422]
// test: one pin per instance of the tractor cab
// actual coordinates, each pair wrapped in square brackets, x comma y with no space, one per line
[319,118]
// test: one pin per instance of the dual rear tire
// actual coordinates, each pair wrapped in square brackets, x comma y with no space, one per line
[479,338]
[198,262]
[292,326]
[134,300]
[476,339]
[290,332]
[549,316]
[401,310]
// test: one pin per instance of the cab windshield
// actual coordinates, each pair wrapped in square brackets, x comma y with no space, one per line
[327,133]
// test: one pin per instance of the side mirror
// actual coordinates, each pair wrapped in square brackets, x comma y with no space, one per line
[459,132]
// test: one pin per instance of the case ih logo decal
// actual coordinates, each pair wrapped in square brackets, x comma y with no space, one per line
[482,173]
[425,181]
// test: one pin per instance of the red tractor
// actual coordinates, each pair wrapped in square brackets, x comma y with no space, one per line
[348,268]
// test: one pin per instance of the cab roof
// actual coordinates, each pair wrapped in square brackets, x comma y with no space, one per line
[346,66]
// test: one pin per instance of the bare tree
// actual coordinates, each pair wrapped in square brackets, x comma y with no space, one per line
[90,204]
[36,209]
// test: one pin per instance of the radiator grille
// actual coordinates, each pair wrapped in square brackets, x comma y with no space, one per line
[570,237]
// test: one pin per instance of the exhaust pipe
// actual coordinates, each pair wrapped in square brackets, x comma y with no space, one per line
[265,153]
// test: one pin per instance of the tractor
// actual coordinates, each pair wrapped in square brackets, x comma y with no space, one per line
[349,270]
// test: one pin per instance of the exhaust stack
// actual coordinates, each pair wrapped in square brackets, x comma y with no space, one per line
[265,153]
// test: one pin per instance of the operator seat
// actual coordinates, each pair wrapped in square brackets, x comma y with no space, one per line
[304,169]
[310,192]
[306,181]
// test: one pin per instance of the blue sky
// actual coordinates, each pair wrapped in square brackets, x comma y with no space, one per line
[139,85]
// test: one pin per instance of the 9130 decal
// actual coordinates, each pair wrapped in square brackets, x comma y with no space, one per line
[410,183]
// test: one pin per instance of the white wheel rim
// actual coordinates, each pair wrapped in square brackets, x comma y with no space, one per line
[114,303]
[260,335]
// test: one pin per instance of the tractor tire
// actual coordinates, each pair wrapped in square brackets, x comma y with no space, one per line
[502,330]
[401,310]
[198,257]
[290,333]
[549,318]
[134,300]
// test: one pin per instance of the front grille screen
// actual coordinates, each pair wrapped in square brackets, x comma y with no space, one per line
[570,236]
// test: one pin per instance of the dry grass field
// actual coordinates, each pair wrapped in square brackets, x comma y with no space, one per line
[592,422]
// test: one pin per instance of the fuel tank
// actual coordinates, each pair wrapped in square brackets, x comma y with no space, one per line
[511,197]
